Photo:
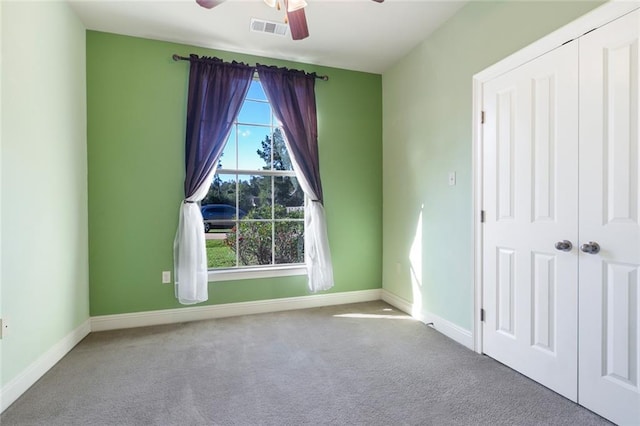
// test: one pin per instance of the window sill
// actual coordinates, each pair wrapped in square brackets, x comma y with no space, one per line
[254,273]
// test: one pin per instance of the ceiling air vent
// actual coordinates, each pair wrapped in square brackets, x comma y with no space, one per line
[262,26]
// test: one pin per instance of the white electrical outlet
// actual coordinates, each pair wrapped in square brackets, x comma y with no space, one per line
[452,178]
[166,277]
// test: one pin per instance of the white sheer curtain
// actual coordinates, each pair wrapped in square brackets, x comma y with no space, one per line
[316,241]
[189,250]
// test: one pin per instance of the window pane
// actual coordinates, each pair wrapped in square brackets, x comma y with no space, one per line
[255,197]
[254,239]
[228,158]
[254,148]
[255,113]
[289,244]
[256,91]
[281,159]
[221,195]
[219,253]
[288,198]
[221,218]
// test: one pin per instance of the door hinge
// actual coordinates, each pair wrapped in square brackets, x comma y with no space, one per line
[482,215]
[481,117]
[482,315]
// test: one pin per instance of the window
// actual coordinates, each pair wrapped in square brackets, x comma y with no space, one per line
[254,210]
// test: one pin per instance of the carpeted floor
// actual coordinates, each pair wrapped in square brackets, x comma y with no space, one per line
[362,364]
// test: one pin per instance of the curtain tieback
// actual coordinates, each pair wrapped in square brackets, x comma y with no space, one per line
[188,202]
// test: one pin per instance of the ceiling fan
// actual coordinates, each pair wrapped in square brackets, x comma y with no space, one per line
[295,15]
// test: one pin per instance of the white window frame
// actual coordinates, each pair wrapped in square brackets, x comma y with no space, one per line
[255,272]
[258,271]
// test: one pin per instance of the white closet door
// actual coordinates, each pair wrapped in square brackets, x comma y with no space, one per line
[530,196]
[609,293]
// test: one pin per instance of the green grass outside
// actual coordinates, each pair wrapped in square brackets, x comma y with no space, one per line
[219,255]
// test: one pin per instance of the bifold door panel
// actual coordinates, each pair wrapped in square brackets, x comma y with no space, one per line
[609,374]
[531,202]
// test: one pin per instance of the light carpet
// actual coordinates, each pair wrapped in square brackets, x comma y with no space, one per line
[360,364]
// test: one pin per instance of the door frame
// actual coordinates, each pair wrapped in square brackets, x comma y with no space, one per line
[588,22]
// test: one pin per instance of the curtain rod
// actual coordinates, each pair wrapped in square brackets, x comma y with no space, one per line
[177,57]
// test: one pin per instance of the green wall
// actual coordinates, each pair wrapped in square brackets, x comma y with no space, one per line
[136,97]
[428,252]
[45,290]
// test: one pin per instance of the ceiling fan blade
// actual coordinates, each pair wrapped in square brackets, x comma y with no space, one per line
[209,4]
[298,24]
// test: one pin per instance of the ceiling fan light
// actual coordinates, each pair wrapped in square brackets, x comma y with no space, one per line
[209,4]
[293,5]
[270,3]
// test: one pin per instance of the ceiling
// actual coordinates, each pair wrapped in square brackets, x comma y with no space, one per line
[359,35]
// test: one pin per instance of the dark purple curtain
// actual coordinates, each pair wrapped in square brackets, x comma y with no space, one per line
[292,96]
[216,93]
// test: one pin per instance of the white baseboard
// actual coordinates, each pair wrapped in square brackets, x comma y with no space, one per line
[403,304]
[169,316]
[17,386]
[449,329]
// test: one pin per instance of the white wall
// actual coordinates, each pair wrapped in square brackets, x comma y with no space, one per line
[44,237]
[1,67]
[427,236]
